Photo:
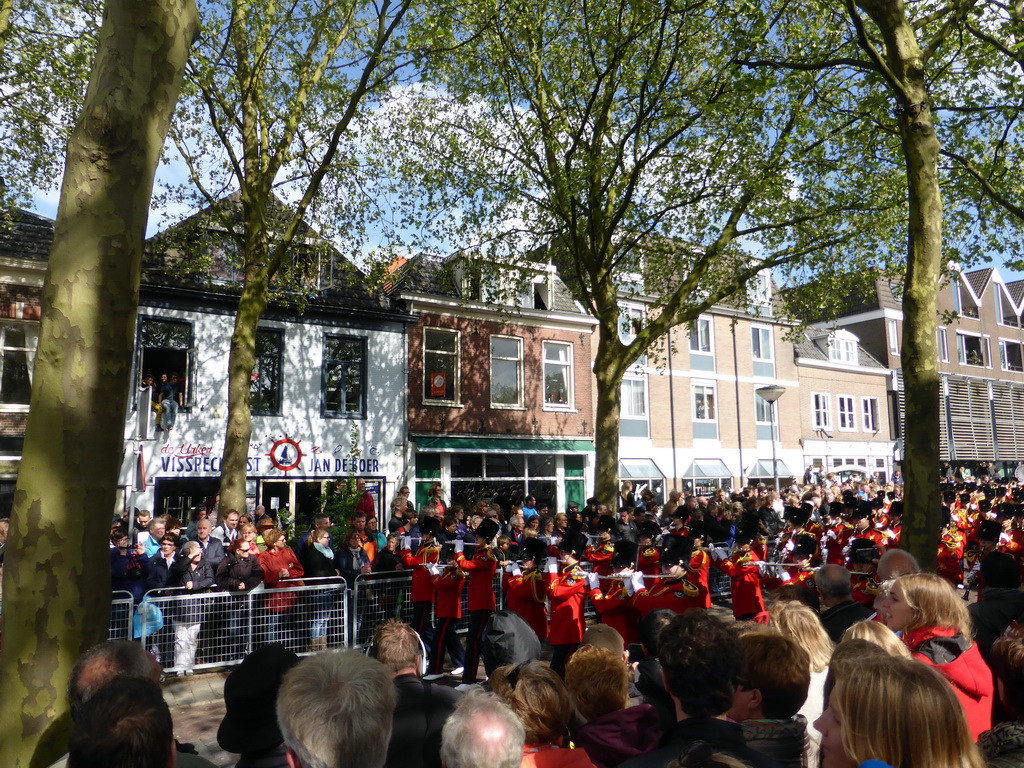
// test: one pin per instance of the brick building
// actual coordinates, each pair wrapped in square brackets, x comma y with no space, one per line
[499,387]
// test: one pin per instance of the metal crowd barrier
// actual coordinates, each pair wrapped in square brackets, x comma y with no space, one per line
[213,629]
[122,606]
[377,597]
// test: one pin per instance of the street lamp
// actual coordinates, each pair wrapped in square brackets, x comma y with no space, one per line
[771,395]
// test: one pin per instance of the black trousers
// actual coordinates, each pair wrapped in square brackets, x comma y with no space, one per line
[474,639]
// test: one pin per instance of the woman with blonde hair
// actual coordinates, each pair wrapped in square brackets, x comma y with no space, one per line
[541,702]
[876,632]
[934,624]
[897,711]
[799,622]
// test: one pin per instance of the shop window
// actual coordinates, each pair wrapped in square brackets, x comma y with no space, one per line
[265,382]
[440,365]
[344,374]
[19,342]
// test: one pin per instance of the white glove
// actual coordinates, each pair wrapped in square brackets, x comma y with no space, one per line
[785,576]
[552,567]
[460,545]
[516,570]
[635,583]
[762,569]
[830,534]
[432,569]
[407,542]
[719,553]
[510,568]
[593,581]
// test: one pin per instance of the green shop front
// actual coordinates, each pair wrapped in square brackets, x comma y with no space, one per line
[504,471]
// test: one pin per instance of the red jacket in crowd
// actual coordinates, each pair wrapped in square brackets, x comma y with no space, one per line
[481,578]
[422,581]
[566,592]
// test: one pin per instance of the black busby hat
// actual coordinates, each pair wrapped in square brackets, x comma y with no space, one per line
[805,546]
[650,529]
[575,524]
[698,529]
[990,530]
[747,530]
[606,523]
[796,515]
[488,529]
[574,542]
[860,509]
[430,526]
[534,549]
[625,553]
[863,551]
[676,549]
[984,505]
[896,508]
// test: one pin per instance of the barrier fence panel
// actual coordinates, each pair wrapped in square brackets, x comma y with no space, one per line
[122,606]
[719,584]
[210,629]
[375,598]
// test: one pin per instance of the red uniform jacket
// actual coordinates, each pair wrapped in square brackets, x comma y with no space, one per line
[865,590]
[742,570]
[449,584]
[834,546]
[677,595]
[601,556]
[422,581]
[697,574]
[649,561]
[951,550]
[527,595]
[481,578]
[566,592]
[617,611]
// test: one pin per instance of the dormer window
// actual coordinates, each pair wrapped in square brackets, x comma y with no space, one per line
[966,306]
[842,351]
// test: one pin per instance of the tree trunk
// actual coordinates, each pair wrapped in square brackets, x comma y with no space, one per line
[57,573]
[242,358]
[922,518]
[608,394]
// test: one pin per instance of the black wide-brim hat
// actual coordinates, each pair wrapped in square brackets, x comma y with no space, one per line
[250,696]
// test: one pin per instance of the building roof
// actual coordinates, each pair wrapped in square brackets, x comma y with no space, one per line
[1016,291]
[435,275]
[25,235]
[813,345]
[340,283]
[977,280]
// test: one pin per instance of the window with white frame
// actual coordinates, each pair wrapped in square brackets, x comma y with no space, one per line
[631,320]
[894,336]
[440,365]
[842,350]
[971,350]
[1010,358]
[506,372]
[869,413]
[764,419]
[557,375]
[822,414]
[940,344]
[700,336]
[762,350]
[704,402]
[847,415]
[633,407]
[18,343]
[344,377]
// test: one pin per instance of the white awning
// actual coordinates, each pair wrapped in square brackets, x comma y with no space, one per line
[707,468]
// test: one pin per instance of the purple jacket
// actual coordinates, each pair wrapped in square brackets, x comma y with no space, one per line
[616,737]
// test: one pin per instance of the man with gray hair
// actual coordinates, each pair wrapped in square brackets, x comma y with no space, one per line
[482,732]
[841,610]
[335,711]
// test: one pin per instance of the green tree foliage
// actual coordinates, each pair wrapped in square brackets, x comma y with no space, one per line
[274,93]
[943,81]
[56,570]
[46,49]
[626,142]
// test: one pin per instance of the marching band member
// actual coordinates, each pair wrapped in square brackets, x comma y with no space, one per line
[526,589]
[566,590]
[742,569]
[601,552]
[674,590]
[648,557]
[449,584]
[864,556]
[614,606]
[481,593]
[422,592]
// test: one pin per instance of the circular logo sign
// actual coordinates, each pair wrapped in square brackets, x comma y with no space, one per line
[285,454]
